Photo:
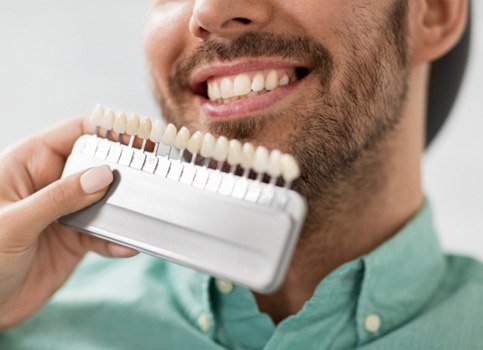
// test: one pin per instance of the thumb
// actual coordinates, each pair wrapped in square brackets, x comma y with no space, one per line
[60,198]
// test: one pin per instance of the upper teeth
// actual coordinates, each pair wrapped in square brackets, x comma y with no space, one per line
[248,84]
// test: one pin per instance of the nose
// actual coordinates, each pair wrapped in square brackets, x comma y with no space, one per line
[228,18]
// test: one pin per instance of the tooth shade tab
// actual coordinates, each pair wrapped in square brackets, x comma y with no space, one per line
[157,131]
[290,168]
[208,145]
[221,149]
[260,160]
[132,127]
[107,121]
[194,143]
[248,83]
[169,136]
[248,152]
[234,152]
[145,128]
[120,123]
[182,138]
[96,116]
[274,168]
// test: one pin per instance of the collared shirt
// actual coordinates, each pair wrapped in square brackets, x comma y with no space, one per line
[406,294]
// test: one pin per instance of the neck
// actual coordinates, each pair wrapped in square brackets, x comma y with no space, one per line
[364,216]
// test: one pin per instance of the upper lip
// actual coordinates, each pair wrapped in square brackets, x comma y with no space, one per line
[201,75]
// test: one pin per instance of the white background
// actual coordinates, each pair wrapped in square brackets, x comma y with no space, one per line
[60,57]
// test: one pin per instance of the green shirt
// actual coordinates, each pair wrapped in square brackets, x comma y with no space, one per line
[406,294]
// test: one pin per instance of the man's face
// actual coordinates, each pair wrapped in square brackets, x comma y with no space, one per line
[332,75]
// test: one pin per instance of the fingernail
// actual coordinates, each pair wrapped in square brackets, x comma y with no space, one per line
[96,179]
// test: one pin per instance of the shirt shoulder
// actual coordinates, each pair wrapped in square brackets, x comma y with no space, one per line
[451,319]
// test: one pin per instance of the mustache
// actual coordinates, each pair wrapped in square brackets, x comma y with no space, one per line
[257,44]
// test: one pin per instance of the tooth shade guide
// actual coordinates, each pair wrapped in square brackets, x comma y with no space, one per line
[225,156]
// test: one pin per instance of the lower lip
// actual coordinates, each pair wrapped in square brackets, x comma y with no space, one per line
[243,107]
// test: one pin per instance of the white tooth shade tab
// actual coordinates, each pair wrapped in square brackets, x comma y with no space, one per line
[145,128]
[107,121]
[169,136]
[96,116]
[290,168]
[182,138]
[120,123]
[260,160]
[226,87]
[157,131]
[234,152]
[248,152]
[208,145]
[221,149]
[194,143]
[132,127]
[275,163]
[272,80]
[241,85]
[258,83]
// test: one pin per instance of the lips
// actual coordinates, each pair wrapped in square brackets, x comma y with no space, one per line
[233,90]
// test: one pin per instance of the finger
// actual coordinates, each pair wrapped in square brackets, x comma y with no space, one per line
[106,248]
[65,196]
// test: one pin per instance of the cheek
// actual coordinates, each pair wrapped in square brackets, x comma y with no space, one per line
[331,23]
[166,36]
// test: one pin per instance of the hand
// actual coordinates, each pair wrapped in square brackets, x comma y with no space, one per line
[37,255]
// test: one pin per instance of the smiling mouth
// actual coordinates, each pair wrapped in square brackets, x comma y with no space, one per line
[227,89]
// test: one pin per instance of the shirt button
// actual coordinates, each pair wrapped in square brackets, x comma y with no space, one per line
[372,323]
[224,286]
[204,322]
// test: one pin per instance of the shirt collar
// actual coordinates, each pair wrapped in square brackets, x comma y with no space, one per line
[392,283]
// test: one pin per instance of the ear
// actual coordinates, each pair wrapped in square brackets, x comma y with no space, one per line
[437,26]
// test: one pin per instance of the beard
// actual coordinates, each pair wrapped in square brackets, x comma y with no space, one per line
[335,131]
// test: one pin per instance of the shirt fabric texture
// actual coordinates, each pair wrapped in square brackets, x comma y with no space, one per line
[406,294]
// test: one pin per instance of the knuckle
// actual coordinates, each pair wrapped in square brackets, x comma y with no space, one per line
[59,194]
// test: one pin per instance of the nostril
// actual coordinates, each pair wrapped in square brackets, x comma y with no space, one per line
[242,20]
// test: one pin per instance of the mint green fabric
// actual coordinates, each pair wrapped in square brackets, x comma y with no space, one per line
[423,298]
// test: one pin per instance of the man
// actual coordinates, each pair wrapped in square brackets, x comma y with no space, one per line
[367,272]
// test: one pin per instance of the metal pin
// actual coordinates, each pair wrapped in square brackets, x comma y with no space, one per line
[181,155]
[193,158]
[131,141]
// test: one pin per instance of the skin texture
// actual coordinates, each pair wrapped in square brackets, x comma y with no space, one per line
[355,123]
